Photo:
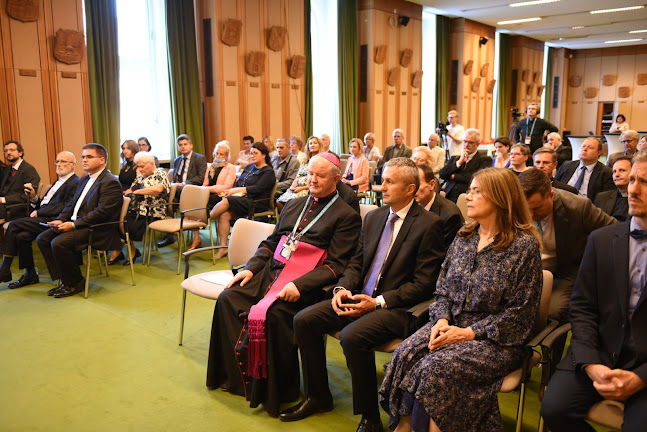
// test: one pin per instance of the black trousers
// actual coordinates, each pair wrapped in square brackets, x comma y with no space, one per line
[18,238]
[569,396]
[358,338]
[61,253]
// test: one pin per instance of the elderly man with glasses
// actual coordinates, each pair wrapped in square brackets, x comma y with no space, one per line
[630,140]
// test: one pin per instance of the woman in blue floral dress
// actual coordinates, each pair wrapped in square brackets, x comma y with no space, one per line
[446,376]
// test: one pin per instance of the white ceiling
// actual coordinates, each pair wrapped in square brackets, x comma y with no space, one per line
[557,18]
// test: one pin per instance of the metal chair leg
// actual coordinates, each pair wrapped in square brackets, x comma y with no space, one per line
[522,399]
[182,316]
[87,271]
[130,258]
[213,252]
[180,242]
[105,255]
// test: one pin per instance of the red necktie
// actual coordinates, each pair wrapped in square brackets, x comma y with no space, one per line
[13,172]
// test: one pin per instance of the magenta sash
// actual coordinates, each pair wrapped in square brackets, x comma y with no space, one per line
[305,258]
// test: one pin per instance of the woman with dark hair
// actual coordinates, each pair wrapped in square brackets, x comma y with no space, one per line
[446,376]
[502,147]
[145,145]
[620,125]
[519,155]
[253,189]
[128,171]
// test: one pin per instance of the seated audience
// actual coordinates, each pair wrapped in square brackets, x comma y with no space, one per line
[221,175]
[587,175]
[436,203]
[98,199]
[620,125]
[615,202]
[252,351]
[398,149]
[447,375]
[607,357]
[357,169]
[23,231]
[127,173]
[502,147]
[433,142]
[371,151]
[629,139]
[395,267]
[299,187]
[643,143]
[564,222]
[269,143]
[245,155]
[423,156]
[458,171]
[13,203]
[545,159]
[145,145]
[562,148]
[296,149]
[251,192]
[286,166]
[519,154]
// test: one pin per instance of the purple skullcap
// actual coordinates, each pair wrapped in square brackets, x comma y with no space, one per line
[330,158]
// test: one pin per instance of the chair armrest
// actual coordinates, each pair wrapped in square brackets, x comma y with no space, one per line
[539,337]
[548,355]
[188,254]
[420,312]
[192,209]
[549,341]
[92,227]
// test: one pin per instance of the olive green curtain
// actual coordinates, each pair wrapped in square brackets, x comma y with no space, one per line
[545,109]
[503,98]
[103,76]
[442,69]
[186,106]
[348,71]
[307,123]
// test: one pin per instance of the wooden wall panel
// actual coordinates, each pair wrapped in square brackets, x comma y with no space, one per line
[608,66]
[31,117]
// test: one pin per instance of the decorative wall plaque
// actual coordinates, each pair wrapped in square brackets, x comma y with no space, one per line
[590,92]
[394,76]
[405,59]
[476,84]
[297,66]
[380,54]
[69,46]
[574,81]
[540,90]
[255,65]
[231,32]
[276,38]
[23,10]
[524,75]
[417,79]
[608,80]
[641,79]
[529,89]
[484,70]
[468,67]
[490,86]
[624,92]
[535,77]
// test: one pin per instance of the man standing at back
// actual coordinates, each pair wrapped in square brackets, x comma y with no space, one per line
[98,199]
[532,129]
[13,179]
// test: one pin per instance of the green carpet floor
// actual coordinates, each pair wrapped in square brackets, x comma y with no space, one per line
[112,362]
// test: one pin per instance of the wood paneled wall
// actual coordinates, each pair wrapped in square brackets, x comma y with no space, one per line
[527,59]
[39,107]
[389,107]
[474,106]
[624,63]
[271,104]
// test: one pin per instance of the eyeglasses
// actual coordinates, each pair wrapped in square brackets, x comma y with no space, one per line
[57,162]
[627,141]
[469,142]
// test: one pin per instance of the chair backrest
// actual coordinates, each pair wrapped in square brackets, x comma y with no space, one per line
[546,291]
[171,174]
[170,209]
[365,208]
[195,197]
[343,163]
[442,193]
[122,215]
[344,156]
[461,202]
[43,188]
[371,174]
[614,144]
[246,235]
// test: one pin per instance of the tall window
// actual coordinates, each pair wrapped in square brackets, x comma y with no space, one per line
[428,117]
[145,103]
[325,78]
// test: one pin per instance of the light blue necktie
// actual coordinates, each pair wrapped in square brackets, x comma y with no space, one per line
[380,256]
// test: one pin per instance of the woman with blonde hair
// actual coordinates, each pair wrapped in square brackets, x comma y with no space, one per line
[371,151]
[269,143]
[447,375]
[357,169]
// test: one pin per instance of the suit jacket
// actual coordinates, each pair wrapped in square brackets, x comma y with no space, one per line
[564,154]
[599,305]
[411,269]
[563,186]
[405,151]
[348,195]
[60,199]
[606,201]
[575,217]
[451,216]
[286,172]
[101,204]
[197,168]
[601,177]
[463,175]
[13,190]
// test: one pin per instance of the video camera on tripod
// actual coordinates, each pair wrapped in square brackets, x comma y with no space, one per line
[441,129]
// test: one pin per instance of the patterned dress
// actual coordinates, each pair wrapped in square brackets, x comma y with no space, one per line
[302,180]
[497,294]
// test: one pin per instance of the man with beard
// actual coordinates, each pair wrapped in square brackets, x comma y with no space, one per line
[14,177]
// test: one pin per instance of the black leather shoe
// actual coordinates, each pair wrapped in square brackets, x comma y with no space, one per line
[5,277]
[367,425]
[24,281]
[54,290]
[168,240]
[117,259]
[137,255]
[68,291]
[304,409]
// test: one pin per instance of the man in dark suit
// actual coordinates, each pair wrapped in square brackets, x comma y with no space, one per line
[607,358]
[564,221]
[458,171]
[22,232]
[435,203]
[615,202]
[588,175]
[188,168]
[545,159]
[532,129]
[396,265]
[14,177]
[98,199]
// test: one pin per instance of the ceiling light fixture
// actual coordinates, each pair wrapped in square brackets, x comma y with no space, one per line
[577,27]
[623,9]
[622,41]
[518,21]
[532,3]
[638,31]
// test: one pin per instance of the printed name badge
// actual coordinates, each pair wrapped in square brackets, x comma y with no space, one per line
[527,141]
